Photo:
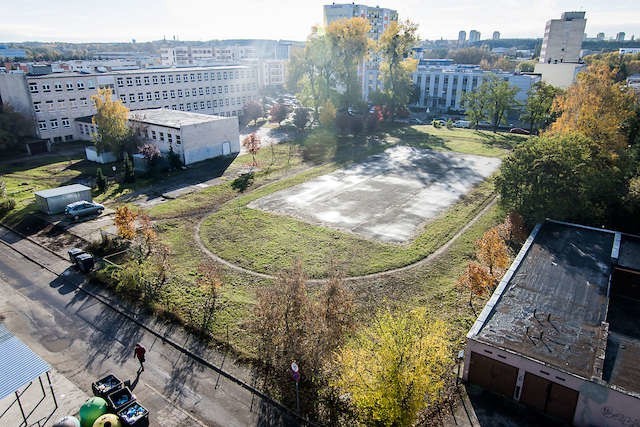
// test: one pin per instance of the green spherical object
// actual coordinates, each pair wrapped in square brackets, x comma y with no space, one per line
[107,420]
[68,421]
[92,410]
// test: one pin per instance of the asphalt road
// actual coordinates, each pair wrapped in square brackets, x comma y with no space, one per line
[84,340]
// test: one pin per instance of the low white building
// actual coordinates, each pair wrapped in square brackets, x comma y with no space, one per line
[193,136]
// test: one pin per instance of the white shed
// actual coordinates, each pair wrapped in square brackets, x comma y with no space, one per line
[54,200]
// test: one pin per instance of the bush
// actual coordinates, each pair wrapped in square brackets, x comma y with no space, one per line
[129,174]
[6,205]
[327,115]
[174,159]
[449,124]
[436,124]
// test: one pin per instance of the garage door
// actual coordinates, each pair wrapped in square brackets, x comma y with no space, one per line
[549,397]
[492,375]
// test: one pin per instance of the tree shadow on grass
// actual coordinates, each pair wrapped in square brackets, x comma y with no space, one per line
[412,137]
[501,140]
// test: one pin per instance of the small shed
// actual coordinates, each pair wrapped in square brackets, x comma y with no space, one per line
[54,200]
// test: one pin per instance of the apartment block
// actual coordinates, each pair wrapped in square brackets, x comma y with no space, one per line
[563,38]
[474,36]
[54,100]
[441,85]
[379,19]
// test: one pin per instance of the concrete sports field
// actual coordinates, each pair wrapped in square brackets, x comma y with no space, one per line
[388,197]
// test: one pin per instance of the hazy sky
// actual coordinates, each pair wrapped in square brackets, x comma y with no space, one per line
[144,20]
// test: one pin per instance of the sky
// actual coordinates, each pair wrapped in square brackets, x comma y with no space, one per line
[146,20]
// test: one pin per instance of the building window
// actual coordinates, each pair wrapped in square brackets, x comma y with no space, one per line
[162,136]
[201,91]
[178,78]
[83,101]
[50,105]
[185,77]
[149,96]
[42,125]
[33,87]
[199,77]
[188,106]
[140,96]
[72,103]
[207,90]
[36,106]
[226,101]
[132,97]
[163,79]
[170,77]
[53,123]
[215,102]
[195,106]
[80,85]
[226,89]
[208,104]
[60,104]
[153,134]
[65,122]
[194,92]
[206,77]
[154,79]
[219,89]
[129,81]
[187,93]
[91,84]
[123,98]
[156,95]
[172,93]
[192,77]
[120,81]
[165,95]
[146,80]
[181,107]
[46,87]
[174,107]
[169,137]
[202,105]
[57,87]
[178,139]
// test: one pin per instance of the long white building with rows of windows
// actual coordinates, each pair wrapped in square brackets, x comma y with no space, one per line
[55,100]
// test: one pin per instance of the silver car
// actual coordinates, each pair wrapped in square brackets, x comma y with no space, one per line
[76,210]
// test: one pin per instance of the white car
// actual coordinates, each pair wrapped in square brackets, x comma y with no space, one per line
[461,124]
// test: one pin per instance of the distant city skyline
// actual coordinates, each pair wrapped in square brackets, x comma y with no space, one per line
[147,20]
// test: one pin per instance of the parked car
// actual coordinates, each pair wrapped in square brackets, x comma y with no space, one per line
[439,122]
[461,124]
[77,210]
[519,131]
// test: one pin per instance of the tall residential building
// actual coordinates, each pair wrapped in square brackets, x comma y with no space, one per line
[55,100]
[379,19]
[496,35]
[600,36]
[462,38]
[620,36]
[474,36]
[563,38]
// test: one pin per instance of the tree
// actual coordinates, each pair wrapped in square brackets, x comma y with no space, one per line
[397,66]
[111,120]
[475,105]
[526,66]
[251,111]
[209,280]
[300,118]
[252,143]
[129,173]
[101,180]
[471,55]
[596,107]
[175,162]
[537,110]
[125,221]
[477,280]
[395,368]
[566,177]
[327,115]
[501,98]
[278,113]
[14,127]
[492,252]
[349,41]
[146,233]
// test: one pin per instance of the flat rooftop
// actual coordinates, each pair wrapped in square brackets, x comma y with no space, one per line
[172,118]
[554,305]
[137,71]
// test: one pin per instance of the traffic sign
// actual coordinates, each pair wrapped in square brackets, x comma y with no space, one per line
[296,376]
[294,367]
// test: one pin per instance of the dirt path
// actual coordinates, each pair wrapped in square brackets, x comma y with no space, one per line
[424,261]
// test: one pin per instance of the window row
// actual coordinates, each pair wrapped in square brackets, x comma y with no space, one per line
[60,104]
[59,87]
[157,96]
[160,136]
[53,123]
[186,77]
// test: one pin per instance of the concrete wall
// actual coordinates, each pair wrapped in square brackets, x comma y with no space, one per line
[14,91]
[206,140]
[598,404]
[559,75]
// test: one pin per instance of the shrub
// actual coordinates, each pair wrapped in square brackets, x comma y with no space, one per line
[436,124]
[6,205]
[174,159]
[327,115]
[101,180]
[449,124]
[129,174]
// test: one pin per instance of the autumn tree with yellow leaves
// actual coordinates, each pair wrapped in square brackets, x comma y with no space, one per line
[395,368]
[111,120]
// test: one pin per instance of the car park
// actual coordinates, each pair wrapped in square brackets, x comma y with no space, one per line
[83,208]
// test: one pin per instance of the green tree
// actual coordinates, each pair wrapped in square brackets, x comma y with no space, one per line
[395,368]
[327,115]
[501,98]
[475,105]
[14,127]
[101,180]
[300,118]
[251,111]
[397,66]
[278,113]
[537,110]
[111,120]
[129,173]
[349,41]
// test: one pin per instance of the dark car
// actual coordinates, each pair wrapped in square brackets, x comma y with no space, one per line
[76,210]
[519,131]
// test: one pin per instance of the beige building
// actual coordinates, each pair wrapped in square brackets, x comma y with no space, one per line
[193,136]
[54,100]
[563,38]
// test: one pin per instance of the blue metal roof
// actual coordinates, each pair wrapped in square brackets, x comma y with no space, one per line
[18,364]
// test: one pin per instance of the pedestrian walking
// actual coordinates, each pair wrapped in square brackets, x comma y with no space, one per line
[139,352]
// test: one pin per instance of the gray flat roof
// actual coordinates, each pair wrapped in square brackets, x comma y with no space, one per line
[18,364]
[53,192]
[630,252]
[171,118]
[139,71]
[553,305]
